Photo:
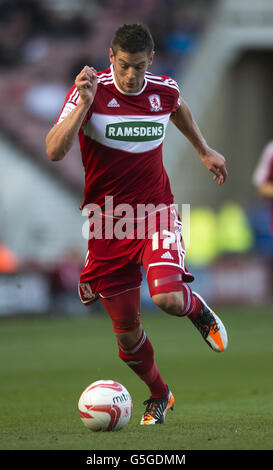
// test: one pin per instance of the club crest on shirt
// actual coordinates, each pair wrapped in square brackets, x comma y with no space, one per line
[155,102]
[85,290]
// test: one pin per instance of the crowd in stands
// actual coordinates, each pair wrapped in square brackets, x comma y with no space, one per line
[29,28]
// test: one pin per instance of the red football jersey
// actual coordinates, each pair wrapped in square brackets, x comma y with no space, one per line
[121,140]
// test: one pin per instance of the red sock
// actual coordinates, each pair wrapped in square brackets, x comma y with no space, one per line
[192,305]
[141,360]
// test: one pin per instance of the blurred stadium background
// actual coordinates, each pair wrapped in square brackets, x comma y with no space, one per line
[220,53]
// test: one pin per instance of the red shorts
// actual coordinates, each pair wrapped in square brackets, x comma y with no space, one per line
[113,265]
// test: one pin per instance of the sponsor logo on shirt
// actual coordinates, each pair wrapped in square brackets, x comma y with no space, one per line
[137,131]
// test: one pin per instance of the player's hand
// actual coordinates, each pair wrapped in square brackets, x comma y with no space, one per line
[86,83]
[216,163]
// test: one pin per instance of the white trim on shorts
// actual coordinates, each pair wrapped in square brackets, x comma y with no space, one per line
[118,293]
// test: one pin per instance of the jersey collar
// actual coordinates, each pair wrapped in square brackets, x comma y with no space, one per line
[123,92]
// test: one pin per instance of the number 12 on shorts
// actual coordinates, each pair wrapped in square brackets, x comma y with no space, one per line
[168,240]
[169,246]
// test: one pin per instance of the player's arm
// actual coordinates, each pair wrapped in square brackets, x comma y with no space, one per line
[266,190]
[213,161]
[61,137]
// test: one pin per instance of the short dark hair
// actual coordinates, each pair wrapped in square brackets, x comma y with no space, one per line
[133,38]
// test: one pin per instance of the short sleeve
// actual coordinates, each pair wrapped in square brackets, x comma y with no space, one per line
[176,94]
[176,103]
[71,101]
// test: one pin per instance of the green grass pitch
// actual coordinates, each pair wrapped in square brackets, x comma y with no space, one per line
[223,401]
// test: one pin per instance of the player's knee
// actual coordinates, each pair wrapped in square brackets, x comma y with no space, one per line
[171,302]
[128,339]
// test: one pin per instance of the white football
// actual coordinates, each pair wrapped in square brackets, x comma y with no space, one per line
[105,405]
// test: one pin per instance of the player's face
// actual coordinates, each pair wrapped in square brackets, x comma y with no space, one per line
[129,69]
